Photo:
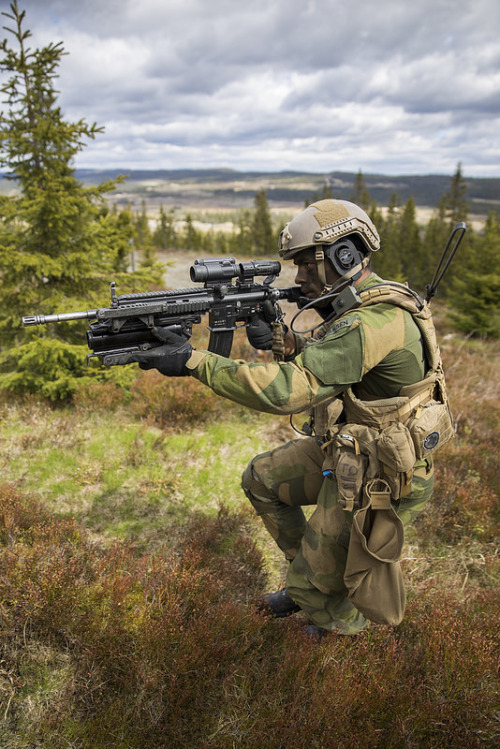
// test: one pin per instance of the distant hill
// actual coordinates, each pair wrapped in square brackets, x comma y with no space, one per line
[231,189]
[227,186]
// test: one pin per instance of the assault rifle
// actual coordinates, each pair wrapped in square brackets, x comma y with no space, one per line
[133,322]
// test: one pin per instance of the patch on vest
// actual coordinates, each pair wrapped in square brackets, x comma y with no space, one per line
[341,324]
[431,440]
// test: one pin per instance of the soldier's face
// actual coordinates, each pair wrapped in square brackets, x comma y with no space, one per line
[307,276]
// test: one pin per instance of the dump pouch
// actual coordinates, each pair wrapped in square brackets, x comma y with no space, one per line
[373,573]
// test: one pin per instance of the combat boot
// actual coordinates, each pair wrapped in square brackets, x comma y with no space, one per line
[278,604]
[315,633]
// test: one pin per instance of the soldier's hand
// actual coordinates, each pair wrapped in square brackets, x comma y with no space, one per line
[259,329]
[170,358]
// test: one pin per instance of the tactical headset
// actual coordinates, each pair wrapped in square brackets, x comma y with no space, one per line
[345,254]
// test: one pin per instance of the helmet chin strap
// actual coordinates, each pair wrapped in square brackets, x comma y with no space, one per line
[352,273]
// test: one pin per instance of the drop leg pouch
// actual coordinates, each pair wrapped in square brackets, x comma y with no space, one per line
[373,573]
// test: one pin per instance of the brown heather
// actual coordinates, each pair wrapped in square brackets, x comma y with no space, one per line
[106,644]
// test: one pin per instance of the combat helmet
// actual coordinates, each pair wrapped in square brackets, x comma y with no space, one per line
[337,229]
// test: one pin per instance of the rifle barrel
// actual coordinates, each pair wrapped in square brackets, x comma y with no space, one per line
[45,319]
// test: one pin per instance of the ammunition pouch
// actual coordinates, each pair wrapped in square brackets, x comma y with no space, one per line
[359,454]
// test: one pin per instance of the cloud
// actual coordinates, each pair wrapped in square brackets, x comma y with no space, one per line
[321,85]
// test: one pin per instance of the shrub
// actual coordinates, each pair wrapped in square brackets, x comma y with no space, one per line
[99,396]
[107,647]
[169,401]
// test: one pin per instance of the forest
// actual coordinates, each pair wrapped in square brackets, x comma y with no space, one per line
[130,562]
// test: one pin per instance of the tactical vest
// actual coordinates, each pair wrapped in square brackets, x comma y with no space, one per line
[378,442]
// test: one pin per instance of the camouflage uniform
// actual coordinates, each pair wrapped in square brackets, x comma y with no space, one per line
[377,350]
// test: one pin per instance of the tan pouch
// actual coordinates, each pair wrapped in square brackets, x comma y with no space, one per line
[348,456]
[430,428]
[373,573]
[396,454]
[349,473]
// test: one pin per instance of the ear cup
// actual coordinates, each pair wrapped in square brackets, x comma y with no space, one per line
[344,254]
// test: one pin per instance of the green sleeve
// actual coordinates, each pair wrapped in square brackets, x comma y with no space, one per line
[379,345]
[281,388]
[285,387]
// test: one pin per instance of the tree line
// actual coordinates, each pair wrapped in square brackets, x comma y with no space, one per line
[410,251]
[252,233]
[61,242]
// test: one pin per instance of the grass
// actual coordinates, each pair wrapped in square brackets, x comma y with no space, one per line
[118,475]
[130,564]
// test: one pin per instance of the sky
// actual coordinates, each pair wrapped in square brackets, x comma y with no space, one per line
[383,86]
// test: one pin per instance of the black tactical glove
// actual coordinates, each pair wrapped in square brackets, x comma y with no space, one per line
[170,358]
[259,329]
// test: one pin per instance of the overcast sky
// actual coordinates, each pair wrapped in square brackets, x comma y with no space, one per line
[387,86]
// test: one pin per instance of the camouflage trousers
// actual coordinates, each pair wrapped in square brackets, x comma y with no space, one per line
[278,484]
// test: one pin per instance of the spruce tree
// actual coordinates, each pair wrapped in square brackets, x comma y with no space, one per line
[458,207]
[59,244]
[475,291]
[324,194]
[164,236]
[411,246]
[240,241]
[144,238]
[264,240]
[361,196]
[387,262]
[192,237]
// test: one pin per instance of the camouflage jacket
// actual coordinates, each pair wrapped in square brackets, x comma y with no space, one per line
[376,349]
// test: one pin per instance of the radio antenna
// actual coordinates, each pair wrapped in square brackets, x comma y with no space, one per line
[446,258]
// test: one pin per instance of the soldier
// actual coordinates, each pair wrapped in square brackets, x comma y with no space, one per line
[370,377]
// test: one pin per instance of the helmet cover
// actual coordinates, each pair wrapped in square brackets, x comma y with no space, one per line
[323,223]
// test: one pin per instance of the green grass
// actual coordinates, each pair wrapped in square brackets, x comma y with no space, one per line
[121,477]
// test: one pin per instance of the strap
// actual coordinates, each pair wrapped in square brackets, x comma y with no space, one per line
[278,347]
[378,492]
[395,293]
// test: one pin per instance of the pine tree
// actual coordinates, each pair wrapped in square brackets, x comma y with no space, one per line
[191,237]
[59,244]
[410,247]
[361,196]
[164,236]
[387,262]
[264,241]
[475,290]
